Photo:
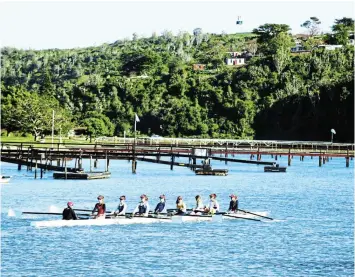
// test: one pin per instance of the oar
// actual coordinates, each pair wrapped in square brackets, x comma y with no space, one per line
[254,219]
[83,210]
[52,213]
[256,214]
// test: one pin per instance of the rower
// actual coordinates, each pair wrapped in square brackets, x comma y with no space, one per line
[200,208]
[233,204]
[100,208]
[142,208]
[180,206]
[122,207]
[69,213]
[213,206]
[160,208]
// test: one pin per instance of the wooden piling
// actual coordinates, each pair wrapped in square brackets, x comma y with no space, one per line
[226,154]
[65,168]
[320,160]
[36,170]
[19,167]
[289,157]
[134,166]
[90,163]
[31,158]
[347,162]
[276,157]
[172,162]
[96,163]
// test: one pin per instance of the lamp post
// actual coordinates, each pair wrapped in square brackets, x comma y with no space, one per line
[52,127]
[332,131]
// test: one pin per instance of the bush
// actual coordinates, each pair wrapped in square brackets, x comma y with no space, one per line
[4,133]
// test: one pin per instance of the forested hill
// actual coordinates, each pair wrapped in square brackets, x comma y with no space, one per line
[276,95]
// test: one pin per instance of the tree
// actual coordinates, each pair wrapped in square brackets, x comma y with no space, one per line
[266,33]
[97,125]
[197,32]
[342,29]
[312,25]
[281,47]
[252,47]
[29,112]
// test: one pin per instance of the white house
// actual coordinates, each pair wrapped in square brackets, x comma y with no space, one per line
[330,47]
[235,61]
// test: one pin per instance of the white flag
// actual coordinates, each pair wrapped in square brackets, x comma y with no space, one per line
[137,118]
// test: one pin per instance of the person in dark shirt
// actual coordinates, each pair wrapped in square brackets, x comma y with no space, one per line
[160,208]
[233,204]
[68,213]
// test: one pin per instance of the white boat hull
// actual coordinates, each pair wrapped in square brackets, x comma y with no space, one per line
[98,222]
[4,180]
[143,220]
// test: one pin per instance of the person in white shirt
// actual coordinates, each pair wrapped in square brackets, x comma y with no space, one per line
[213,206]
[142,208]
[122,207]
[200,208]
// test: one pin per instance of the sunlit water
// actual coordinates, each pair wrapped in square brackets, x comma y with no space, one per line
[313,235]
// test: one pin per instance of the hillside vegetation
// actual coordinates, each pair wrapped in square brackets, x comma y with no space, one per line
[276,95]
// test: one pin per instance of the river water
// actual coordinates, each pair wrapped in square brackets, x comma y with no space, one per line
[312,236]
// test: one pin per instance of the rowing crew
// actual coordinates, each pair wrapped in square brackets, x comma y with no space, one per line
[142,209]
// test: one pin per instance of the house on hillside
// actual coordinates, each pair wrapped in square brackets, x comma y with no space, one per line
[235,61]
[235,58]
[329,46]
[198,66]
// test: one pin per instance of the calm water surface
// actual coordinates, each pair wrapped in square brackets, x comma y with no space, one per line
[313,235]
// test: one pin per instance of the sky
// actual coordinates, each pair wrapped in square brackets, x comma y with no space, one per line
[69,24]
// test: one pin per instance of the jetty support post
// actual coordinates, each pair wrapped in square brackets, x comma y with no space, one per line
[320,160]
[134,166]
[36,170]
[347,158]
[90,163]
[289,157]
[65,168]
[172,162]
[226,154]
[107,162]
[31,158]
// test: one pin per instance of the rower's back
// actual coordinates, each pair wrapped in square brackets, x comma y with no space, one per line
[68,214]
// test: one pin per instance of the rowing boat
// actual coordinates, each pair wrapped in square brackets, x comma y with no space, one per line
[145,220]
[4,179]
[99,222]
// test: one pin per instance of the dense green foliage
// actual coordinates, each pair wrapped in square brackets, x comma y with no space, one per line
[277,95]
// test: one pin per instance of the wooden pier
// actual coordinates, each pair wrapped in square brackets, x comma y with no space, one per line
[43,156]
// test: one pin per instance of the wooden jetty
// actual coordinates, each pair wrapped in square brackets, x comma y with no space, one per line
[43,155]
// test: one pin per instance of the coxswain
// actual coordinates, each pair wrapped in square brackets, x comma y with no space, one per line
[142,208]
[160,208]
[213,206]
[100,208]
[122,207]
[200,208]
[180,206]
[233,204]
[69,213]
